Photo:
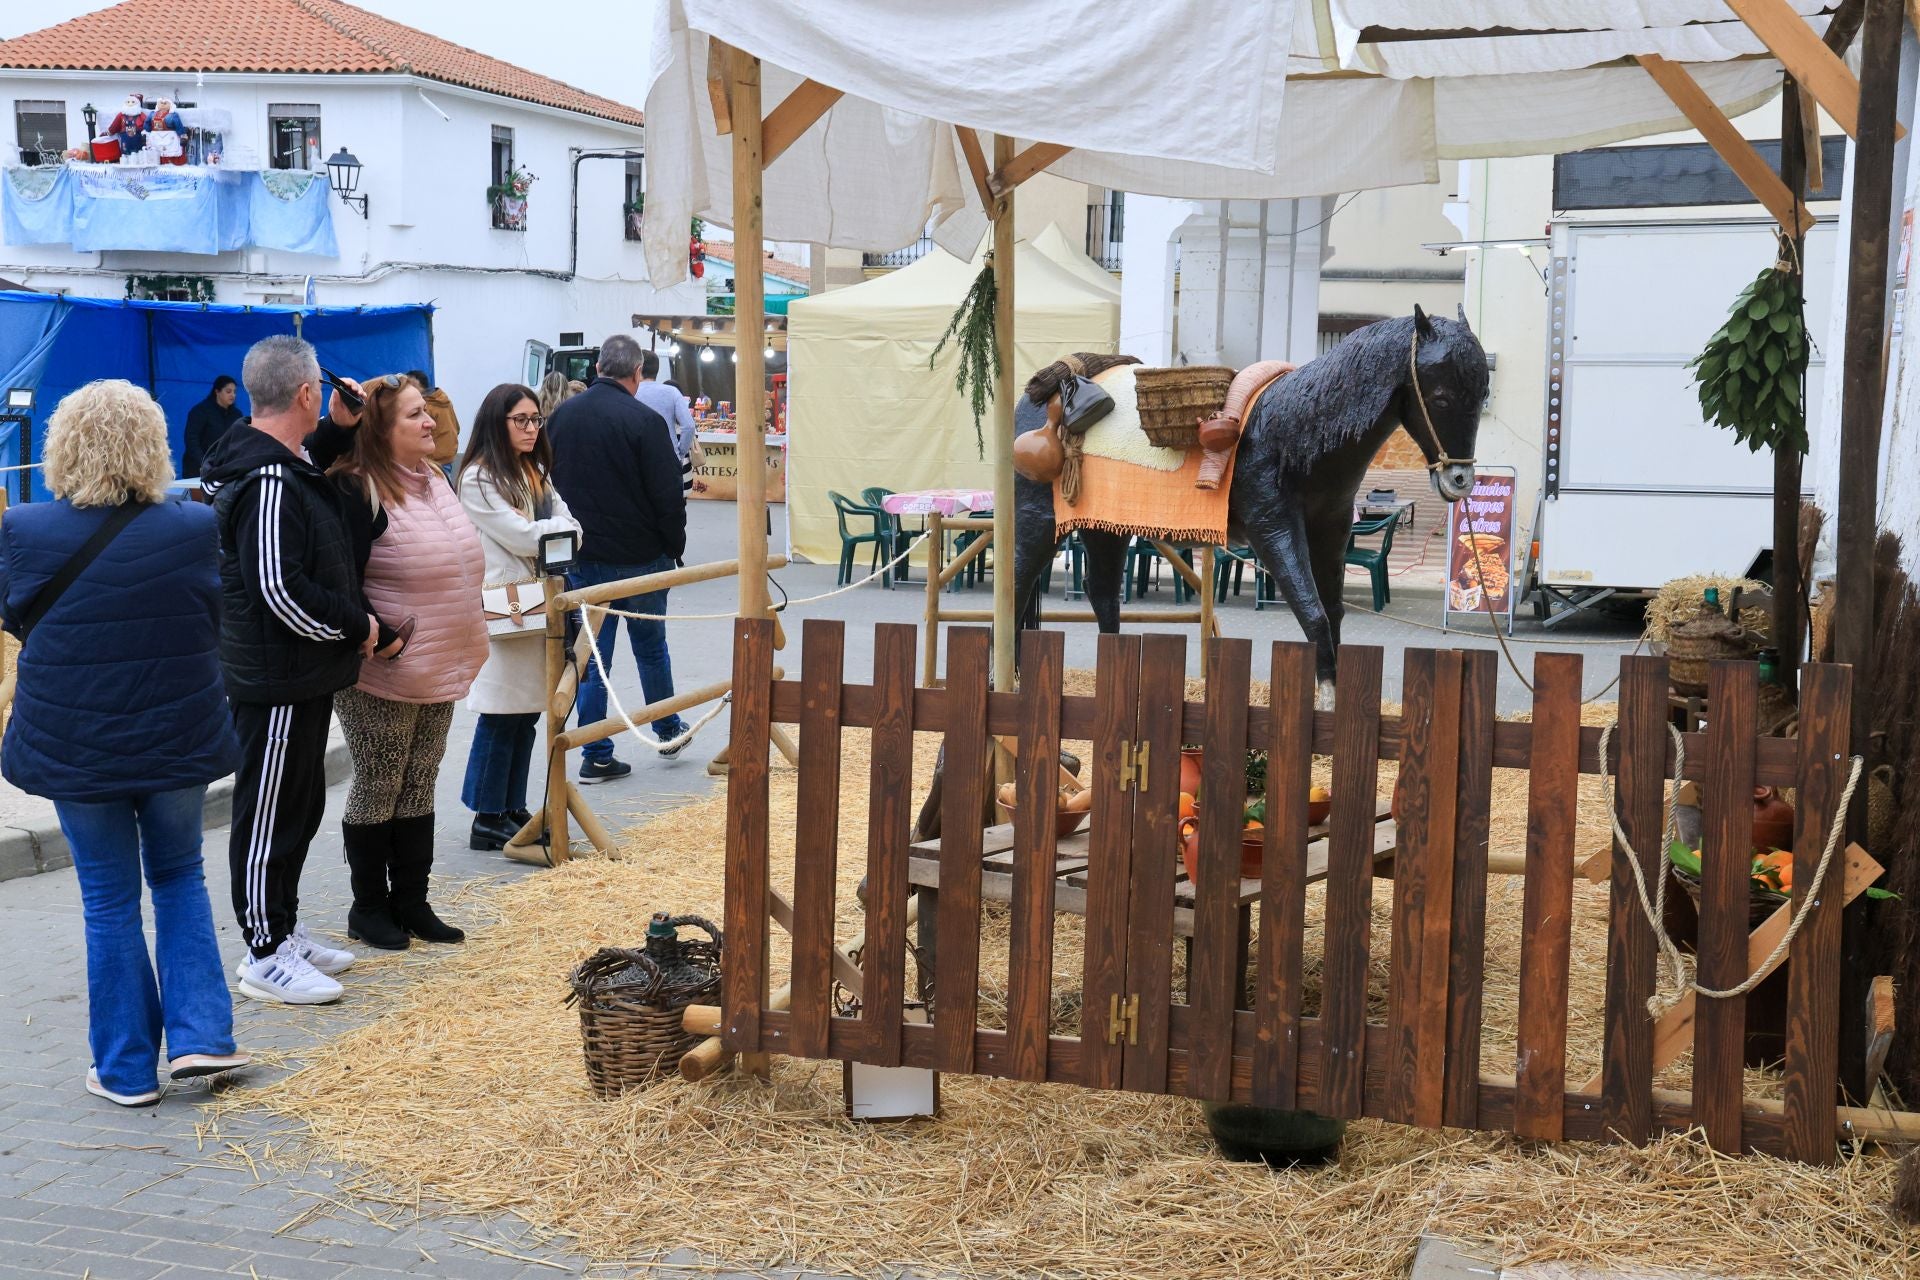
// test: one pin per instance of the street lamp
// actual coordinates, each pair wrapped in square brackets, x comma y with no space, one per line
[91,114]
[343,170]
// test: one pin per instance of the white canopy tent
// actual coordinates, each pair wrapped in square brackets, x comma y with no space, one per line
[864,407]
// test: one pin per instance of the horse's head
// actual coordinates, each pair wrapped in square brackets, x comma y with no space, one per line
[1445,392]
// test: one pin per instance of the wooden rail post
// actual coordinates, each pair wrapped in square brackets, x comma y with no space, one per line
[1003,396]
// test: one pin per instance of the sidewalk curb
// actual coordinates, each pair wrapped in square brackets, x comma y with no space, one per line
[29,851]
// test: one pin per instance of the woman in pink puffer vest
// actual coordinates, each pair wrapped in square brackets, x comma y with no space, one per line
[422,578]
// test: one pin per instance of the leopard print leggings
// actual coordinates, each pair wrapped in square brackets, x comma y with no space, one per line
[396,748]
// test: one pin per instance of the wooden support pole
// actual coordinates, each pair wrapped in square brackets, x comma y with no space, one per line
[1003,395]
[976,164]
[1863,393]
[1009,170]
[718,56]
[930,627]
[1727,141]
[786,123]
[684,576]
[1789,601]
[750,375]
[555,805]
[750,322]
[1810,62]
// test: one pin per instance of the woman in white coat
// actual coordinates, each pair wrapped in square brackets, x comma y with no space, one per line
[506,493]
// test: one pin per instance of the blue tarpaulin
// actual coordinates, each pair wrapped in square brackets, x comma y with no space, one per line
[176,349]
[168,209]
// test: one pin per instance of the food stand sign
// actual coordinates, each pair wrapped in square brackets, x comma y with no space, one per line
[1480,547]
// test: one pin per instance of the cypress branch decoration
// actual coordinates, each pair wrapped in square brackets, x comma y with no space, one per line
[972,328]
[1753,370]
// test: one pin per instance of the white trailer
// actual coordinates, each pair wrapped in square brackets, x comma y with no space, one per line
[1636,488]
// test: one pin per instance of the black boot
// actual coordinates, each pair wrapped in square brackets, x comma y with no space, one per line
[370,920]
[491,831]
[408,873]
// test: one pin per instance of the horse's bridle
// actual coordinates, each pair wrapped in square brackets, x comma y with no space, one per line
[1440,458]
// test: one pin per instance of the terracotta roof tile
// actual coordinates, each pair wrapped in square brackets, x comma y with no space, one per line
[323,37]
[722,250]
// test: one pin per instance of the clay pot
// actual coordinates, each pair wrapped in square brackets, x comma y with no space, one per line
[1253,847]
[1282,1139]
[1038,455]
[1772,820]
[1317,811]
[1190,770]
[1219,433]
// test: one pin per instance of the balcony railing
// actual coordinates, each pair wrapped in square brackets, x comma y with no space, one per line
[1106,224]
[899,257]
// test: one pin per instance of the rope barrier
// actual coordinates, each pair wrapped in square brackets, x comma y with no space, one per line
[668,747]
[1654,908]
[789,603]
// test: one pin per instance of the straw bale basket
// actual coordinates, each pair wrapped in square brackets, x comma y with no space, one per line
[1173,401]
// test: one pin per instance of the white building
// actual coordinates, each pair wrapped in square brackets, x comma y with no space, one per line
[434,127]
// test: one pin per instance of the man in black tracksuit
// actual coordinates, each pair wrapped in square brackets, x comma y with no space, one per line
[294,628]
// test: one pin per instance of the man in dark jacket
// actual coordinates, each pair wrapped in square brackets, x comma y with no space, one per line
[615,464]
[208,421]
[293,630]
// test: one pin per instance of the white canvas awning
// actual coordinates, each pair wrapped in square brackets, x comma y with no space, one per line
[1203,99]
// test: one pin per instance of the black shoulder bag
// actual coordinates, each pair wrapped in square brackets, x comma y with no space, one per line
[77,564]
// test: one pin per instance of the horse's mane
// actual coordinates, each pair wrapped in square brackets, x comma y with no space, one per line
[1333,399]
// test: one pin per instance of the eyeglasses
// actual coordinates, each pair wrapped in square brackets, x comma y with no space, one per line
[524,419]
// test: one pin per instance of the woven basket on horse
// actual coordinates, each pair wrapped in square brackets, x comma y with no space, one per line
[631,1002]
[1173,401]
[1692,646]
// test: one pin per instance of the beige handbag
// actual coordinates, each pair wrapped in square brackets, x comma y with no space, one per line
[517,609]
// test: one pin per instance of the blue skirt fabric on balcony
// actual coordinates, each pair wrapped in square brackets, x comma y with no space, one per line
[169,209]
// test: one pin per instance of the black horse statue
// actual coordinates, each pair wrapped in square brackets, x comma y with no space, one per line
[1302,456]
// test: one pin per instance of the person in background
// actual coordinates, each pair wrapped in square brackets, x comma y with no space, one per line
[554,391]
[614,462]
[426,569]
[208,421]
[446,423]
[575,387]
[120,718]
[665,399]
[293,628]
[505,489]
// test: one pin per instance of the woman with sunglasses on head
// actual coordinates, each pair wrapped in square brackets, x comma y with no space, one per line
[423,575]
[506,493]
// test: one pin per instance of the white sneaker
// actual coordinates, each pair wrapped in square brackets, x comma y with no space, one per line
[188,1066]
[287,977]
[328,960]
[99,1090]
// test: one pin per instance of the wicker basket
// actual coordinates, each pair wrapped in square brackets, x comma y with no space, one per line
[1173,401]
[630,1008]
[1693,645]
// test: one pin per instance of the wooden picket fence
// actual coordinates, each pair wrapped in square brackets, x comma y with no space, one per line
[1422,1066]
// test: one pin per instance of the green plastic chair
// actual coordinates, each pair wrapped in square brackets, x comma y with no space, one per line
[843,507]
[1373,560]
[1233,563]
[897,539]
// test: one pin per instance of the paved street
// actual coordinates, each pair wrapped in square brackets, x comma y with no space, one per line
[87,1188]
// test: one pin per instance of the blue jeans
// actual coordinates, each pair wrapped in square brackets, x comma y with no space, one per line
[112,841]
[649,640]
[497,765]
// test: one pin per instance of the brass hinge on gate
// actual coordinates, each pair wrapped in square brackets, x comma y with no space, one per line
[1123,1019]
[1133,765]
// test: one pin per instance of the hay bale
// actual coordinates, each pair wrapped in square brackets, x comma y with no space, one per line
[1681,599]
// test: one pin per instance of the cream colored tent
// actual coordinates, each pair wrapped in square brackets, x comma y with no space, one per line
[1054,243]
[864,409]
